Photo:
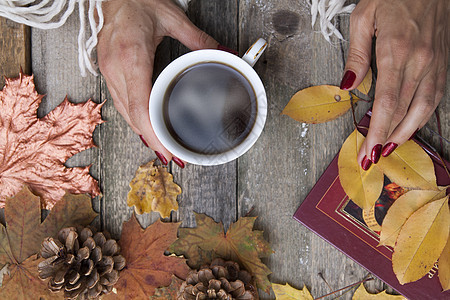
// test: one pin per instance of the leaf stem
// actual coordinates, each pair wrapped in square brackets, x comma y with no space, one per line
[353,110]
[346,287]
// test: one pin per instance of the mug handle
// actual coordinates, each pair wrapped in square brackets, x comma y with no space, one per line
[254,52]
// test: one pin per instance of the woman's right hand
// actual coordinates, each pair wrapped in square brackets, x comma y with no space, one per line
[126,51]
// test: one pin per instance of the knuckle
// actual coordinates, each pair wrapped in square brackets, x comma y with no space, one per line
[127,53]
[402,109]
[203,37]
[357,56]
[389,101]
[424,56]
[425,106]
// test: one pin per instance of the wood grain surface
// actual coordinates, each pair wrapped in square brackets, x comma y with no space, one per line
[274,177]
[14,49]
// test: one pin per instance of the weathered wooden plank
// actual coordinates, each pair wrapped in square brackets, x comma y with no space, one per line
[210,190]
[14,49]
[55,67]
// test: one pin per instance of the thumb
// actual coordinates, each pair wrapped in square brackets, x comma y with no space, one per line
[359,54]
[190,35]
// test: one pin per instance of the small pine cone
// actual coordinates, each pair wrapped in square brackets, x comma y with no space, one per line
[222,280]
[81,262]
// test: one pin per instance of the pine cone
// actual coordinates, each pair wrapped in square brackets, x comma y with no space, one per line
[81,262]
[221,280]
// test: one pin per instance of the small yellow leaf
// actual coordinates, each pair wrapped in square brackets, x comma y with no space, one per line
[365,85]
[362,294]
[362,187]
[153,189]
[421,241]
[444,267]
[287,292]
[410,167]
[318,104]
[402,209]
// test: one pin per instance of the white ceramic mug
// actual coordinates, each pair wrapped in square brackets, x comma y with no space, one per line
[174,69]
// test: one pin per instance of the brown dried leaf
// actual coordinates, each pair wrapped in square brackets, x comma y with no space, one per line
[287,292]
[362,294]
[444,267]
[153,189]
[147,266]
[240,243]
[363,187]
[318,104]
[33,151]
[169,292]
[421,241]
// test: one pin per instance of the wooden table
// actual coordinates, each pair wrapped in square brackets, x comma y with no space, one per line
[273,177]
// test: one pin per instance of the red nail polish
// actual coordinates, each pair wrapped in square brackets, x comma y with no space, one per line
[178,161]
[143,141]
[161,158]
[223,48]
[413,135]
[348,80]
[376,152]
[388,149]
[366,163]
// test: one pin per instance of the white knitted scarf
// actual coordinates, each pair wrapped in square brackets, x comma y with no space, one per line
[49,14]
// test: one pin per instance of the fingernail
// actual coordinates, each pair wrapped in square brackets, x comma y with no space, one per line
[414,134]
[376,151]
[161,158]
[223,48]
[388,149]
[178,161]
[143,141]
[348,80]
[366,163]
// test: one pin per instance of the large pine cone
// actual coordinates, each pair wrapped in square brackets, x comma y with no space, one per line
[81,262]
[221,280]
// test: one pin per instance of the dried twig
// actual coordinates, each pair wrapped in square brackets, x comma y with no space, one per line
[346,287]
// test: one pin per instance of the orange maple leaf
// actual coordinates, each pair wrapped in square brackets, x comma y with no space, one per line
[33,151]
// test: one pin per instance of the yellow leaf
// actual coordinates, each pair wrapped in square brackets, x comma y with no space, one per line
[153,189]
[362,294]
[421,241]
[402,209]
[365,85]
[363,187]
[410,167]
[318,104]
[287,292]
[444,267]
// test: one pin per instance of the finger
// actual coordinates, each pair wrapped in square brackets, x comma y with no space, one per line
[182,29]
[362,29]
[420,110]
[440,92]
[121,108]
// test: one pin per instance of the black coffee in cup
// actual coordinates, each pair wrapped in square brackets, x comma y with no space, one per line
[209,108]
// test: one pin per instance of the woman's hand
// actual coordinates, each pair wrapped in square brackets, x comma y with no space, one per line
[126,51]
[411,50]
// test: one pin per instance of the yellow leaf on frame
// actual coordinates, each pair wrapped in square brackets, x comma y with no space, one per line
[362,294]
[402,209]
[362,187]
[410,167]
[444,267]
[318,104]
[366,84]
[287,292]
[421,241]
[153,189]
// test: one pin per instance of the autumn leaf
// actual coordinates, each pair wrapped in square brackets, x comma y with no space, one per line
[239,244]
[287,292]
[401,210]
[318,104]
[410,167]
[153,189]
[24,231]
[444,267]
[169,292]
[23,282]
[33,151]
[363,187]
[421,241]
[365,85]
[147,266]
[362,294]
